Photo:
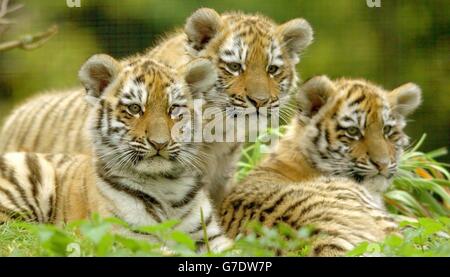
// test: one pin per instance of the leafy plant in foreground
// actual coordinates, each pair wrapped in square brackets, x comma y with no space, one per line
[427,237]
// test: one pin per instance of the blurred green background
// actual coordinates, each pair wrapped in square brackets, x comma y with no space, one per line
[402,41]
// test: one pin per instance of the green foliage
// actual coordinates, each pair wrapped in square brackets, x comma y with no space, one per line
[102,237]
[254,152]
[422,185]
[280,240]
[94,237]
[425,238]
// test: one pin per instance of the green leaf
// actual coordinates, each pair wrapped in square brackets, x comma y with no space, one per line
[405,198]
[359,250]
[430,226]
[183,239]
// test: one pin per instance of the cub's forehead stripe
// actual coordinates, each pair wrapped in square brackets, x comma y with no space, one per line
[134,92]
[275,55]
[236,50]
[353,114]
[232,50]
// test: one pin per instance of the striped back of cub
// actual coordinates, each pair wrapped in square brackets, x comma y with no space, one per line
[341,213]
[54,122]
[50,188]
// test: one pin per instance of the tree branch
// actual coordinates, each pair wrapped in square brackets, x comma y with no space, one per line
[29,42]
[4,10]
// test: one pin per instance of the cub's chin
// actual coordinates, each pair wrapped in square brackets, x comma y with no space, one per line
[155,165]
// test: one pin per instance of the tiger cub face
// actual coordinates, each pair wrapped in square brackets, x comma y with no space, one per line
[140,112]
[255,58]
[354,128]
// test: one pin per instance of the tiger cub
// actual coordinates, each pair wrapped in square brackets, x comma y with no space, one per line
[255,59]
[256,64]
[144,170]
[331,167]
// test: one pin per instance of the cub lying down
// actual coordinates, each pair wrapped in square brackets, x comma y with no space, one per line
[331,168]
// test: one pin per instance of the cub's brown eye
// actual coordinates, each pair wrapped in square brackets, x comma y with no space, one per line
[234,67]
[353,131]
[134,108]
[272,69]
[387,129]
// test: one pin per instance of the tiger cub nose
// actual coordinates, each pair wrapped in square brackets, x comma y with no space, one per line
[159,145]
[381,165]
[258,101]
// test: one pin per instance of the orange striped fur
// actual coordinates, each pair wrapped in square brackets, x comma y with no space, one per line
[313,176]
[255,60]
[139,172]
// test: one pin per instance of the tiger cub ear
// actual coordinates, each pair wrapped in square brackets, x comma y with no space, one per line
[97,73]
[296,35]
[314,94]
[200,75]
[405,99]
[201,27]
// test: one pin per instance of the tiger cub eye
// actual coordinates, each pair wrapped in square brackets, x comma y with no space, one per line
[234,67]
[272,69]
[134,109]
[387,129]
[353,131]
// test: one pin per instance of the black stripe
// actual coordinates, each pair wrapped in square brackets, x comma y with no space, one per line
[307,209]
[357,100]
[188,197]
[108,118]
[235,205]
[319,134]
[25,122]
[200,243]
[54,109]
[213,237]
[77,113]
[291,208]
[13,201]
[149,201]
[34,178]
[9,174]
[319,248]
[356,230]
[51,203]
[277,202]
[155,237]
[353,89]
[100,115]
